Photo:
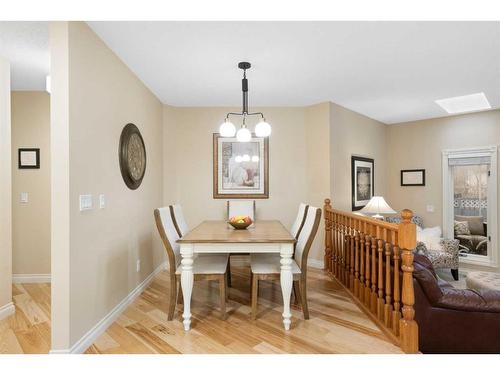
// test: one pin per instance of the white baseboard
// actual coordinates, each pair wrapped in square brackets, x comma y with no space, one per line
[89,338]
[34,278]
[7,310]
[314,263]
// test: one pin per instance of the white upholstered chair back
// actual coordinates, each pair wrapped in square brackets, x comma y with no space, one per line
[169,234]
[299,220]
[179,220]
[241,207]
[307,235]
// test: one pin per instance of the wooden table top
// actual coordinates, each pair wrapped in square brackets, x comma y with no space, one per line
[218,231]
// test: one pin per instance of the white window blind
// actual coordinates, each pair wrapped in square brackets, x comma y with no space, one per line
[474,160]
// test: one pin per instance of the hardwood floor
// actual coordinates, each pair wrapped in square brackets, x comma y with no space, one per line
[28,330]
[336,325]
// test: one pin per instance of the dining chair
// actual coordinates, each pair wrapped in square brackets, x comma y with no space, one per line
[268,266]
[299,220]
[205,266]
[179,220]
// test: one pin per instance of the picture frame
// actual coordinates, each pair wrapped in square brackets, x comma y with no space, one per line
[240,169]
[413,177]
[362,181]
[28,158]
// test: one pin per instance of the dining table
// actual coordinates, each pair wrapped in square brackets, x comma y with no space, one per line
[217,236]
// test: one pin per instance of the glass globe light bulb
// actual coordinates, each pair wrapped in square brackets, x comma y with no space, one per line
[237,159]
[246,157]
[227,129]
[243,135]
[255,158]
[262,129]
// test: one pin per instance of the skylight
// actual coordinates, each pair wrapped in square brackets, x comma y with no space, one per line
[466,103]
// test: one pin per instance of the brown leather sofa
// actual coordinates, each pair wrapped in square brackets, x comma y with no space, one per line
[454,320]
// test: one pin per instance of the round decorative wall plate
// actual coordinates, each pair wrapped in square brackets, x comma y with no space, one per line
[132,153]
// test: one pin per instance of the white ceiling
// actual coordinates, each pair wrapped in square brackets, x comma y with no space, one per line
[389,71]
[26,46]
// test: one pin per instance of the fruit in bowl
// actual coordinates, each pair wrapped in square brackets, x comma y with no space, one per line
[240,222]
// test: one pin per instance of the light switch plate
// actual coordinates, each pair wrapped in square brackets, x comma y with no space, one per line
[102,201]
[24,197]
[85,202]
[430,208]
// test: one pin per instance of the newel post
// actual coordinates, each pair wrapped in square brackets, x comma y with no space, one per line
[407,240]
[328,235]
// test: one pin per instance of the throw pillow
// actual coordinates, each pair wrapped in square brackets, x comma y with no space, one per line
[461,228]
[475,223]
[431,238]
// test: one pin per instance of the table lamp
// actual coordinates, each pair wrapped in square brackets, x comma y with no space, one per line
[376,207]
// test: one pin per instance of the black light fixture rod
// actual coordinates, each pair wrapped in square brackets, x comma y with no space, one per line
[244,88]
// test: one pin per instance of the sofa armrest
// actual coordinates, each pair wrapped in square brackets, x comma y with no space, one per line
[469,300]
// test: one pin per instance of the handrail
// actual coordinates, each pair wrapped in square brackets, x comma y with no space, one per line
[373,260]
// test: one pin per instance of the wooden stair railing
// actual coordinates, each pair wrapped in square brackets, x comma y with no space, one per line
[373,260]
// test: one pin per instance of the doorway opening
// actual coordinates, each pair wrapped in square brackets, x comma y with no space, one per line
[470,203]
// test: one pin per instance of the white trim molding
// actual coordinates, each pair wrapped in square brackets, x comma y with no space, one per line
[31,278]
[448,211]
[91,336]
[7,310]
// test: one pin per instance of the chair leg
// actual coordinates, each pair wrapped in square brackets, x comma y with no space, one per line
[226,280]
[454,273]
[229,271]
[173,298]
[222,286]
[180,297]
[296,292]
[255,295]
[303,294]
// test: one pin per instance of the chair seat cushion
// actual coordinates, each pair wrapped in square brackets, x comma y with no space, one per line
[269,264]
[207,264]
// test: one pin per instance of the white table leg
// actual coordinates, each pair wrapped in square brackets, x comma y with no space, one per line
[187,279]
[286,278]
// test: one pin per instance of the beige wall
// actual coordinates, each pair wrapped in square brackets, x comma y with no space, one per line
[104,244]
[31,221]
[5,189]
[298,164]
[419,144]
[354,134]
[317,124]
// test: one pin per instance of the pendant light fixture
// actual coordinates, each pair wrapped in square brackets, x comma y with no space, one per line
[227,129]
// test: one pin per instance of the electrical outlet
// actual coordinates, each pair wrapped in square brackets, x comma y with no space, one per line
[430,208]
[138,265]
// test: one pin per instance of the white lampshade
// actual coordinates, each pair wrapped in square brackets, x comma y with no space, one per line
[262,129]
[377,206]
[243,135]
[227,129]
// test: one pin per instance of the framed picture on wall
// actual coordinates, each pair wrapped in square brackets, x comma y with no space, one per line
[362,181]
[29,158]
[240,169]
[413,177]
